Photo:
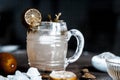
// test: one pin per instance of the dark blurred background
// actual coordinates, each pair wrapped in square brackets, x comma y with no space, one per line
[98,20]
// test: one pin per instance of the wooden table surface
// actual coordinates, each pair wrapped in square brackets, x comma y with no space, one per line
[76,67]
[85,62]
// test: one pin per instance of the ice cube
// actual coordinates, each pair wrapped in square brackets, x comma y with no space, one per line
[18,72]
[3,78]
[36,78]
[18,76]
[10,77]
[33,72]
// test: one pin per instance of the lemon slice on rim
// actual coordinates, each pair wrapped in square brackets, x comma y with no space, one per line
[33,17]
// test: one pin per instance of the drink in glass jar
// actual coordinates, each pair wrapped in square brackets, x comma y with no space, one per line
[47,42]
[47,48]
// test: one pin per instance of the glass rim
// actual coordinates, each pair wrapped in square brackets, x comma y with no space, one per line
[60,21]
[109,61]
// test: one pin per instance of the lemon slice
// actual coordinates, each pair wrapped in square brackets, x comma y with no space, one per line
[62,75]
[33,17]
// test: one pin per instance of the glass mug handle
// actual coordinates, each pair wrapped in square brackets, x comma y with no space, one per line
[80,44]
